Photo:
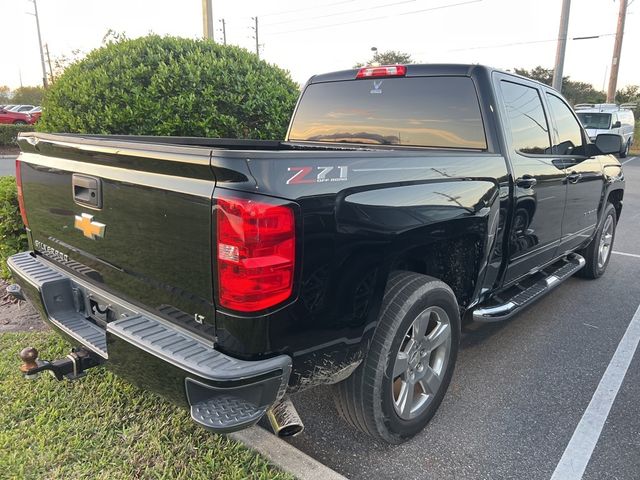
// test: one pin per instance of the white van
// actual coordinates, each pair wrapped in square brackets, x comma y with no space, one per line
[608,118]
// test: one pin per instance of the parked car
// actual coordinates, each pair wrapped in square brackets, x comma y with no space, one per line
[35,113]
[609,118]
[22,108]
[225,274]
[16,118]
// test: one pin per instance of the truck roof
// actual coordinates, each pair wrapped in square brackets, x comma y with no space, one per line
[422,69]
[603,107]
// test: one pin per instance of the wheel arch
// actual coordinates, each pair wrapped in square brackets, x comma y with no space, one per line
[615,197]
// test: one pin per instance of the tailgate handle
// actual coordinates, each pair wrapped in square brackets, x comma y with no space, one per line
[87,190]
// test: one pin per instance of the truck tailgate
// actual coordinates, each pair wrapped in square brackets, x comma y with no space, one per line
[134,218]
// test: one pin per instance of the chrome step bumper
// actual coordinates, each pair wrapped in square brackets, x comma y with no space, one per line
[224,393]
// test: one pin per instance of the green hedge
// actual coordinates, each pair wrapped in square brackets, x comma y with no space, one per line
[171,86]
[9,134]
[13,238]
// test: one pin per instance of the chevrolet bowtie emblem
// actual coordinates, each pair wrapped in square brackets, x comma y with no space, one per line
[89,228]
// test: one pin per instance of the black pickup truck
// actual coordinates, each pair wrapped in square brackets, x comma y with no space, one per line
[225,274]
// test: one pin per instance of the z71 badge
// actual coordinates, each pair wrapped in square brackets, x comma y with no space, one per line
[319,175]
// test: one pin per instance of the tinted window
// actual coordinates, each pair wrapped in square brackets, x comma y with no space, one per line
[568,132]
[528,124]
[419,111]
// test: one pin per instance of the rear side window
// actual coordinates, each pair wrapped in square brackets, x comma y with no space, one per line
[417,111]
[568,131]
[529,128]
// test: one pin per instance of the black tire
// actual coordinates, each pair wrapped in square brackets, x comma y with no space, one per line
[625,150]
[19,122]
[366,399]
[594,268]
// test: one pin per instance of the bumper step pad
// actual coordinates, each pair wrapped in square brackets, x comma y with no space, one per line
[226,413]
[57,297]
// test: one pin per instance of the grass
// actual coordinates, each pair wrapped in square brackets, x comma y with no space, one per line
[101,427]
[635,149]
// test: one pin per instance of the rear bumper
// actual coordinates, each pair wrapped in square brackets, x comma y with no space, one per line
[224,393]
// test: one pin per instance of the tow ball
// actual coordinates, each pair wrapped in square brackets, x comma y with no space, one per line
[71,367]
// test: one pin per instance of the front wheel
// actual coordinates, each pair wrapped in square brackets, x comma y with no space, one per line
[598,252]
[625,151]
[399,385]
[19,122]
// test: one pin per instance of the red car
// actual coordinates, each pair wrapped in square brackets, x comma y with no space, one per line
[17,118]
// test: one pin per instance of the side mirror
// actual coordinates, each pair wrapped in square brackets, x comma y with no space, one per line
[609,143]
[616,125]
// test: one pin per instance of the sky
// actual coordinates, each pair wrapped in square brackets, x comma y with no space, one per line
[310,37]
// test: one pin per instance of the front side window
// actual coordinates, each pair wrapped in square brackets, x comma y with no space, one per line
[440,112]
[527,122]
[568,131]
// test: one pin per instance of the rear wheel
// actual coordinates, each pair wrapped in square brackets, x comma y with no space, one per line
[598,252]
[399,385]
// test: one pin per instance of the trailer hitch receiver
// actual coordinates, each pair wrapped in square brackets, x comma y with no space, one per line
[71,367]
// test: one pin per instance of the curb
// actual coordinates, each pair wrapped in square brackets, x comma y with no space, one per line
[7,157]
[284,456]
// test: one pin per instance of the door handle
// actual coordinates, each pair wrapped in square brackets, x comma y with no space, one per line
[87,190]
[526,181]
[574,177]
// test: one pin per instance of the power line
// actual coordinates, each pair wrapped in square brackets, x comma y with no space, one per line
[383,17]
[531,42]
[307,8]
[373,7]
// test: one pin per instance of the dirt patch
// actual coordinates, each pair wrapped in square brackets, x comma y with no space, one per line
[16,316]
[4,150]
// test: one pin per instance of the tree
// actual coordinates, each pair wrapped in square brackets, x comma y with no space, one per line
[574,92]
[629,94]
[28,96]
[390,57]
[5,94]
[61,62]
[157,85]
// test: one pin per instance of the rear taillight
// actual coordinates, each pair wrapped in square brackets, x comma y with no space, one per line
[382,71]
[256,246]
[23,213]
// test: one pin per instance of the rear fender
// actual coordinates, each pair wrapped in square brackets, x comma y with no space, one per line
[410,218]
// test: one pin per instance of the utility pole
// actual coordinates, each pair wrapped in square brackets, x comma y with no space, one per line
[46,46]
[256,36]
[562,45]
[207,20]
[617,49]
[224,31]
[44,70]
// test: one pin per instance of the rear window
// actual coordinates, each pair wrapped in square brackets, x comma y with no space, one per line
[419,112]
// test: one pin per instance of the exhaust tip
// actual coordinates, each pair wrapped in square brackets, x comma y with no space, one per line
[290,431]
[284,419]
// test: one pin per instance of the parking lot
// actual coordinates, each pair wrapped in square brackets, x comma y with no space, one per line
[521,388]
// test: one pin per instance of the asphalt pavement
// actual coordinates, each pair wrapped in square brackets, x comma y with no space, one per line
[527,394]
[8,166]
